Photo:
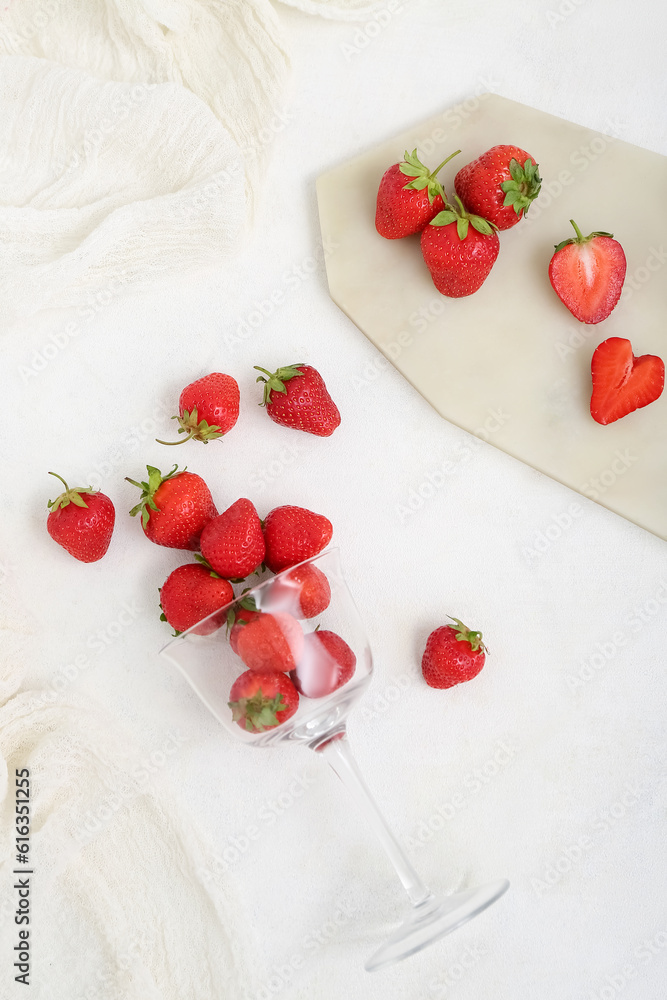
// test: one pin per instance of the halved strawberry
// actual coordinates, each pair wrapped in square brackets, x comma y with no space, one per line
[261,701]
[587,274]
[621,382]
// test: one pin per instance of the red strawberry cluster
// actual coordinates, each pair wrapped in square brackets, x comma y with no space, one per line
[459,240]
[176,507]
[178,511]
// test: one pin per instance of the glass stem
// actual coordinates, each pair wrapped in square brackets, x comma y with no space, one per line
[338,754]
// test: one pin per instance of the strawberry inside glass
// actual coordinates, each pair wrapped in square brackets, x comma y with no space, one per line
[287,661]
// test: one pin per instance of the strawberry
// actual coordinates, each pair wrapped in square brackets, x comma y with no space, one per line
[405,208]
[191,593]
[82,527]
[233,542]
[242,612]
[459,250]
[499,185]
[587,274]
[174,508]
[294,534]
[261,700]
[621,382]
[271,642]
[326,663]
[207,408]
[297,397]
[303,591]
[452,655]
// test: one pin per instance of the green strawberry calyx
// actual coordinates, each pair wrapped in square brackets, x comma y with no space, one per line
[464,634]
[69,496]
[194,428]
[206,564]
[148,490]
[276,380]
[579,239]
[247,603]
[259,711]
[523,187]
[463,219]
[422,177]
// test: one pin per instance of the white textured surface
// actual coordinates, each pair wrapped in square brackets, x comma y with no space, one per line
[590,604]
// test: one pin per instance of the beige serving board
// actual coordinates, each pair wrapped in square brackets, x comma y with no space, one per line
[510,363]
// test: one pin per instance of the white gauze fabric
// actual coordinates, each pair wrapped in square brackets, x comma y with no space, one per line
[118,895]
[133,136]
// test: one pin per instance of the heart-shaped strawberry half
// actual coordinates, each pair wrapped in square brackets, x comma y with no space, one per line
[621,382]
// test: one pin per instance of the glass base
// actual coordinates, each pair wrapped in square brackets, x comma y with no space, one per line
[432,920]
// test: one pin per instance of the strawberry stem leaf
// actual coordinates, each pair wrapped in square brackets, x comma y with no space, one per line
[579,239]
[464,634]
[69,496]
[524,186]
[276,380]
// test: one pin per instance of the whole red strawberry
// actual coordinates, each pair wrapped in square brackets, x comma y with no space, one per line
[82,521]
[192,593]
[459,250]
[294,534]
[326,663]
[587,274]
[270,642]
[304,592]
[174,508]
[621,382]
[297,397]
[207,408]
[261,701]
[233,542]
[405,208]
[453,654]
[243,610]
[499,185]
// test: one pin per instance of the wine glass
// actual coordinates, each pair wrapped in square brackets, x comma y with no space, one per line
[330,675]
